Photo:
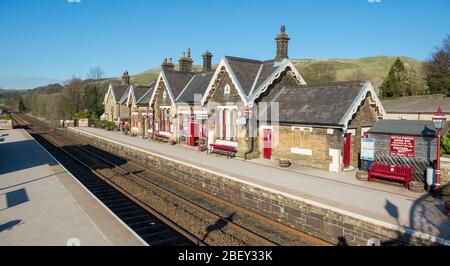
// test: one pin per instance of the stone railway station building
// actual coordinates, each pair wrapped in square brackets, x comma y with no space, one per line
[262,109]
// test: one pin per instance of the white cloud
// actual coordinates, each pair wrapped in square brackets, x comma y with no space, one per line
[374,1]
[74,1]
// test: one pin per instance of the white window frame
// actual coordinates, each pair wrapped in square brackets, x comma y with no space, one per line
[227,89]
[221,109]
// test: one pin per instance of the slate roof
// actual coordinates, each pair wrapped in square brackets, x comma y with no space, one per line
[417,104]
[119,91]
[139,91]
[406,127]
[319,104]
[124,98]
[145,98]
[250,73]
[177,80]
[197,85]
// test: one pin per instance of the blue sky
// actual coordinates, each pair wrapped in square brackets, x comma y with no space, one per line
[51,40]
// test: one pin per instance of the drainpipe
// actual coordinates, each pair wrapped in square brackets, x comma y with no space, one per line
[251,146]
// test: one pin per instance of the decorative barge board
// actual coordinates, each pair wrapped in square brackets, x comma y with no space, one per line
[406,142]
[237,86]
[175,100]
[192,117]
[114,110]
[319,125]
[168,87]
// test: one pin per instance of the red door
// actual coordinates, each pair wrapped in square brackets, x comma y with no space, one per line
[347,149]
[193,133]
[267,144]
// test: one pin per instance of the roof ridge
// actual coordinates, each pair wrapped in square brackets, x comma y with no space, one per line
[243,59]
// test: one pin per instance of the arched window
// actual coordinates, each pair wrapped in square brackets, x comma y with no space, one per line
[226,90]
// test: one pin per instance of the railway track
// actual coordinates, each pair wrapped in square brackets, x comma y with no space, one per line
[150,228]
[238,225]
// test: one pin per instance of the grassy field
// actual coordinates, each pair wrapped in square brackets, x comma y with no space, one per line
[371,68]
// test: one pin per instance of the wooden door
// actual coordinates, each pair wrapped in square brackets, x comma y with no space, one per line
[267,144]
[193,133]
[347,149]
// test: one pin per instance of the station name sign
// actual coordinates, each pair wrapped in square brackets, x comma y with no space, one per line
[402,146]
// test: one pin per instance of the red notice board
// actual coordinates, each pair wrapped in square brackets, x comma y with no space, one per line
[402,145]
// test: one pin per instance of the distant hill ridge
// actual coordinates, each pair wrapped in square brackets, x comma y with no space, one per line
[373,68]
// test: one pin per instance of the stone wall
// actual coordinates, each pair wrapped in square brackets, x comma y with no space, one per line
[159,101]
[322,221]
[218,97]
[366,116]
[119,109]
[321,140]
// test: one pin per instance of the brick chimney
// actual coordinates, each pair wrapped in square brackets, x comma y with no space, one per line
[207,56]
[125,78]
[167,64]
[185,63]
[282,41]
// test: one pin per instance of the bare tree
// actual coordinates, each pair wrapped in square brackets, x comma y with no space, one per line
[96,73]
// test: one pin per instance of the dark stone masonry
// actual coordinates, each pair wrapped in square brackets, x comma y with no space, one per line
[323,223]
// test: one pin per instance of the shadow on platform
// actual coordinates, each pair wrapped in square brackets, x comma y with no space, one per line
[16,197]
[20,155]
[9,225]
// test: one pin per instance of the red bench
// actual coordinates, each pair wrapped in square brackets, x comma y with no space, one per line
[392,172]
[223,150]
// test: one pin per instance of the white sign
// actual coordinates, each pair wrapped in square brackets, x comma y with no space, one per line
[240,121]
[6,124]
[367,149]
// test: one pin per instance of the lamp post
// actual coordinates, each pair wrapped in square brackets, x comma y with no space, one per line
[438,120]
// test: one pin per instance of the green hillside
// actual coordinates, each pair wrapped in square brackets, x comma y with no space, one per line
[372,68]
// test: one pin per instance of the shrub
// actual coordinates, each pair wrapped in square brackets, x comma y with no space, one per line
[445,145]
[110,125]
[81,115]
[7,117]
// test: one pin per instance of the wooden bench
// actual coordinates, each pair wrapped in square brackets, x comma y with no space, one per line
[392,172]
[228,151]
[161,138]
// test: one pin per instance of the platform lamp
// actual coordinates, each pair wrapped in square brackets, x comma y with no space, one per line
[438,120]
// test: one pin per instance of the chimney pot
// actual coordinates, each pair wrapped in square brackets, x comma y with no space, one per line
[125,78]
[282,41]
[207,56]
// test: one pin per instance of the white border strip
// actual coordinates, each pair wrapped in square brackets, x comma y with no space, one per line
[402,229]
[92,195]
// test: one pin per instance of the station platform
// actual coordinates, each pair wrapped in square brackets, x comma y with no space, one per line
[372,202]
[41,204]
